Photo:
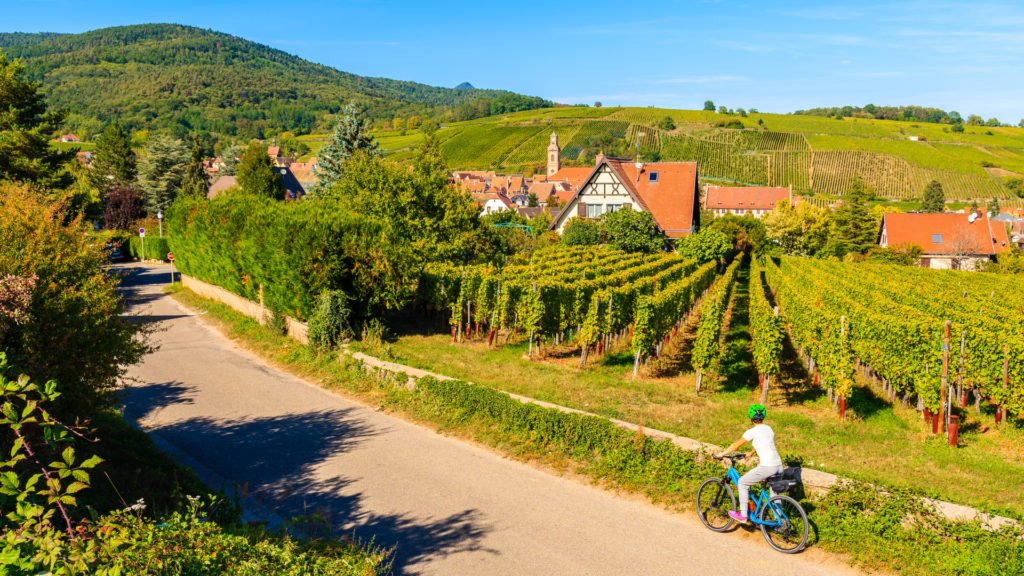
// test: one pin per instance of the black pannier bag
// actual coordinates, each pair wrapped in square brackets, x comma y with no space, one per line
[788,480]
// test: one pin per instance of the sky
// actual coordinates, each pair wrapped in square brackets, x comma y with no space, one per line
[773,56]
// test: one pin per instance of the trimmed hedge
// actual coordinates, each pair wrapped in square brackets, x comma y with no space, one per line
[156,248]
[294,250]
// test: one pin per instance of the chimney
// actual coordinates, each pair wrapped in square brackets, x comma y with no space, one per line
[639,169]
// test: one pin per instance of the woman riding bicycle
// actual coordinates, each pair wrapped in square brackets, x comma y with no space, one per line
[763,439]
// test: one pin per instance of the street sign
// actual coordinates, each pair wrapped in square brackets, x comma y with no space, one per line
[142,232]
[170,256]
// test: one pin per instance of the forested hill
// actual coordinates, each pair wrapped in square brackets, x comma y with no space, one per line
[165,76]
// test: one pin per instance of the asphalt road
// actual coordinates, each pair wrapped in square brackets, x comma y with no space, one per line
[449,507]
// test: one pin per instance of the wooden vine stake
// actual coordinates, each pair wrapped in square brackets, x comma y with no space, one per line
[943,410]
[1000,412]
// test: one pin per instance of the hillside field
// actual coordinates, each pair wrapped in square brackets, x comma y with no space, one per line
[814,154]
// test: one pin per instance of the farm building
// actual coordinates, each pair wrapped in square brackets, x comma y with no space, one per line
[667,190]
[957,240]
[739,200]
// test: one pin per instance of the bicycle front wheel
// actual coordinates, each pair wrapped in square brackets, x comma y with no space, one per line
[785,525]
[714,501]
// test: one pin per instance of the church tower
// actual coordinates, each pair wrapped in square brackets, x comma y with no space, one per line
[554,155]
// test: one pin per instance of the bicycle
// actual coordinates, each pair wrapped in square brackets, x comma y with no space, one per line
[782,520]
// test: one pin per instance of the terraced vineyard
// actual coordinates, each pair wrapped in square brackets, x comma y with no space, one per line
[594,296]
[813,154]
[890,321]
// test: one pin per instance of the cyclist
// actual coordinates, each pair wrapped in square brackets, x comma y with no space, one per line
[763,439]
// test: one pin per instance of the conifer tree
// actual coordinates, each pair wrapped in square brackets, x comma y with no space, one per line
[25,129]
[256,174]
[854,229]
[161,172]
[934,198]
[196,181]
[113,160]
[349,136]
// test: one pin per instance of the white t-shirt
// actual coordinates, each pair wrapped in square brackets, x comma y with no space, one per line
[763,438]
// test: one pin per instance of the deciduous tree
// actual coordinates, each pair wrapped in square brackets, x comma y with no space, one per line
[632,231]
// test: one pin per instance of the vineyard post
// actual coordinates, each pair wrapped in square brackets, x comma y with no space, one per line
[1000,411]
[700,377]
[943,411]
[960,376]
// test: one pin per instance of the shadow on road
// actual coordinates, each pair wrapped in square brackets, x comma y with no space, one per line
[279,461]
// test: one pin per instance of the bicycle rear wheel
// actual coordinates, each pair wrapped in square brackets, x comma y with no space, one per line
[714,501]
[789,527]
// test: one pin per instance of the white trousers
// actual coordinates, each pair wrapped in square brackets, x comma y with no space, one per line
[756,475]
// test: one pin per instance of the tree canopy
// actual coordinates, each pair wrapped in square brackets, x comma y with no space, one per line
[161,171]
[256,174]
[934,199]
[350,135]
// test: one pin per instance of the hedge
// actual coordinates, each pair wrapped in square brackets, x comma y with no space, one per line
[294,250]
[156,248]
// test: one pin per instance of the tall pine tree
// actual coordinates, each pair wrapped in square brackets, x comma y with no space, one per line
[350,136]
[934,198]
[196,182]
[113,160]
[161,172]
[25,129]
[854,229]
[256,174]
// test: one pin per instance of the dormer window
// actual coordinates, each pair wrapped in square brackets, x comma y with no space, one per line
[652,177]
[936,238]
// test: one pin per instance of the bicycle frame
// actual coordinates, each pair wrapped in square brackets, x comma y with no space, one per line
[760,501]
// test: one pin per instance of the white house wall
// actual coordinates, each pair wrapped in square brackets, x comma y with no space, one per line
[604,189]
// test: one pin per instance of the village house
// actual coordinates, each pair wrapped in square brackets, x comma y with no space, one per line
[951,240]
[754,201]
[494,202]
[667,190]
[69,137]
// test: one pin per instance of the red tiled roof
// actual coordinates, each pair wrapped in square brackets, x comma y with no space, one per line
[946,233]
[574,176]
[744,198]
[669,198]
[274,151]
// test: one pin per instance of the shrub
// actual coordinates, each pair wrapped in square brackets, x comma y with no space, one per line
[708,244]
[74,331]
[329,323]
[156,247]
[277,322]
[632,231]
[580,232]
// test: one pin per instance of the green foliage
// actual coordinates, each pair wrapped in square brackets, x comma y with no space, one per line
[25,129]
[195,182]
[766,330]
[349,137]
[706,344]
[667,123]
[1009,262]
[156,247]
[993,207]
[896,255]
[666,307]
[181,79]
[113,160]
[801,230]
[161,171]
[329,324]
[581,232]
[632,231]
[709,106]
[294,250]
[707,245]
[74,302]
[934,199]
[854,229]
[256,174]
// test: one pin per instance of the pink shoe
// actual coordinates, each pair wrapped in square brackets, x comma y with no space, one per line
[737,517]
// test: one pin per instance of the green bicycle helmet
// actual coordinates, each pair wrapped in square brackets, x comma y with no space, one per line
[757,412]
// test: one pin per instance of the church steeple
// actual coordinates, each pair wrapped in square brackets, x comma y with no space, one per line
[554,155]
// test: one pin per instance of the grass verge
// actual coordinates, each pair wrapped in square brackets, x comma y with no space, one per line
[890,530]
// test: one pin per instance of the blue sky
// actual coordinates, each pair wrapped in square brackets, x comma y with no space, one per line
[774,56]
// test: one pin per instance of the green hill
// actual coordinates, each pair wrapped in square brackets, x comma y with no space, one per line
[813,154]
[165,76]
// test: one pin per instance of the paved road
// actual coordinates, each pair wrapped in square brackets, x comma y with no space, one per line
[450,507]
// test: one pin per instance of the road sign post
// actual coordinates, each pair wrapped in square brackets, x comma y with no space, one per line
[142,239]
[170,258]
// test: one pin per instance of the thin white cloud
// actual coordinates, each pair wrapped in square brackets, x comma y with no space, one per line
[721,79]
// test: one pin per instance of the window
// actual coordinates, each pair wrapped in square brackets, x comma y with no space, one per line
[613,207]
[652,177]
[937,238]
[594,210]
